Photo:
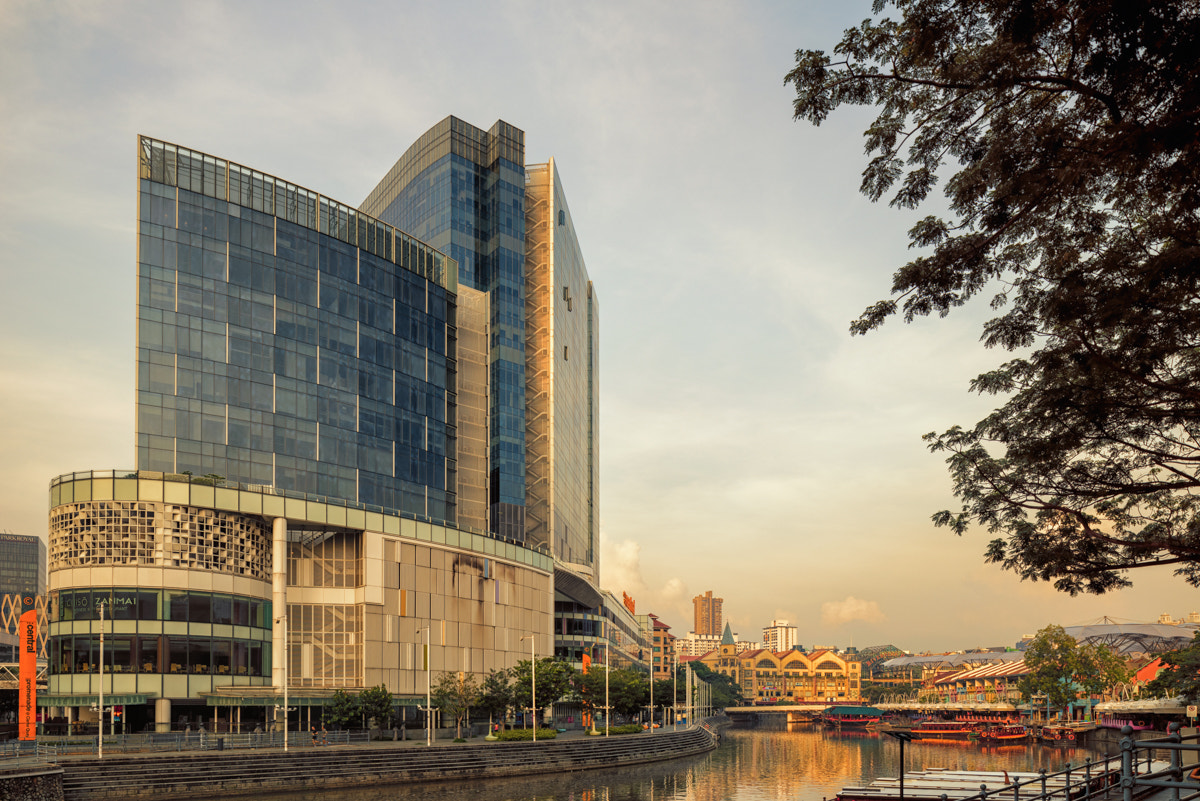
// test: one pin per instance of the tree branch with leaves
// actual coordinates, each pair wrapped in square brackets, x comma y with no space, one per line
[1067,138]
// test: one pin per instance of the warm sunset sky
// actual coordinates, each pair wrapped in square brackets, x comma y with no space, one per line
[749,445]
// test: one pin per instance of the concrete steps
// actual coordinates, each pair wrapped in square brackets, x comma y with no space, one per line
[233,772]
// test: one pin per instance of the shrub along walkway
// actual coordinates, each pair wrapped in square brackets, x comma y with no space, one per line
[384,762]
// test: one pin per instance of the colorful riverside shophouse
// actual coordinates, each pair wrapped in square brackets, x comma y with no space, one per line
[822,676]
[994,683]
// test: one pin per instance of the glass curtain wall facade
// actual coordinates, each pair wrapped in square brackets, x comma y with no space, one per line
[562,370]
[285,339]
[473,442]
[22,565]
[462,190]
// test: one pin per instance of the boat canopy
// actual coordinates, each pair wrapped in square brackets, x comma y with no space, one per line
[866,711]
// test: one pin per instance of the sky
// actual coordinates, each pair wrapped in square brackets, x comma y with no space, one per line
[749,445]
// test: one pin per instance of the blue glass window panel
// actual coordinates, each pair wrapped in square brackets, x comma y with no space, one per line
[336,409]
[339,260]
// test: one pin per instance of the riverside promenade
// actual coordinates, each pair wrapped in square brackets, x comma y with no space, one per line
[262,771]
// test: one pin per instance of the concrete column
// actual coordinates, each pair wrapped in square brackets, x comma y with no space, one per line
[278,597]
[162,714]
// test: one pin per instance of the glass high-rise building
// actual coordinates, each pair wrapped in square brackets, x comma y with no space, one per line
[562,380]
[507,225]
[287,340]
[22,573]
[335,462]
[22,565]
[462,190]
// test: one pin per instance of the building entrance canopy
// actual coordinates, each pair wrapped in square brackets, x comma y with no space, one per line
[272,698]
[119,699]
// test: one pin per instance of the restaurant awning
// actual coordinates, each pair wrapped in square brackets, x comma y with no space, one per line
[118,699]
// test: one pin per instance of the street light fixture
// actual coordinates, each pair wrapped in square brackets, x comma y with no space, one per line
[607,705]
[429,690]
[283,620]
[903,737]
[532,682]
[100,729]
[675,694]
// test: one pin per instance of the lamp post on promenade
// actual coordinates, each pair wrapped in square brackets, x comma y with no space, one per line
[607,707]
[903,737]
[652,692]
[532,681]
[675,694]
[429,691]
[100,729]
[283,620]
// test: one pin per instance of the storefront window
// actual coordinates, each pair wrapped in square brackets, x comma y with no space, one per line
[124,605]
[119,654]
[178,649]
[148,654]
[199,608]
[175,604]
[220,658]
[241,611]
[222,609]
[199,656]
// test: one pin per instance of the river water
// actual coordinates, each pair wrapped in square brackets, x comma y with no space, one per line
[808,764]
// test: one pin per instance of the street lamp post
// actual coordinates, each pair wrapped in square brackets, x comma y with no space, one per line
[675,694]
[607,707]
[652,692]
[429,690]
[690,689]
[282,619]
[100,729]
[532,681]
[903,737]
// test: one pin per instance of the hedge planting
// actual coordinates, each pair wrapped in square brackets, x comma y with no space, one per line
[518,735]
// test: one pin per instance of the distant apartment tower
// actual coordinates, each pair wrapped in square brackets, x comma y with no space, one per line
[662,645]
[22,572]
[22,565]
[693,644]
[707,614]
[779,636]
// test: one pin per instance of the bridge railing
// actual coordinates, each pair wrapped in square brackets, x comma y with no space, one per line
[1179,772]
[1143,767]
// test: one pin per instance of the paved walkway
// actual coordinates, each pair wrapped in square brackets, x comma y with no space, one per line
[414,739]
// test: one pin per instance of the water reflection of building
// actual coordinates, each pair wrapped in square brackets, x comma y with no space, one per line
[787,676]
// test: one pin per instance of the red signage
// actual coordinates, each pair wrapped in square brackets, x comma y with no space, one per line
[27,685]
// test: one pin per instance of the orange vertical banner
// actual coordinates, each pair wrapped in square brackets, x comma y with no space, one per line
[27,685]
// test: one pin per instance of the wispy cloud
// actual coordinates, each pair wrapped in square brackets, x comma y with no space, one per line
[836,613]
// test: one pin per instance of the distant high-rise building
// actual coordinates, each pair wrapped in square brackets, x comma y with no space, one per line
[22,565]
[22,573]
[779,636]
[707,614]
[662,645]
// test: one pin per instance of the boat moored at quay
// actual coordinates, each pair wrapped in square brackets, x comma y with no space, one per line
[1004,734]
[851,717]
[944,730]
